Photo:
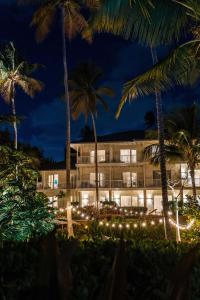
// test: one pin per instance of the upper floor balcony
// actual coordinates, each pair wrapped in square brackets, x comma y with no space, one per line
[104,159]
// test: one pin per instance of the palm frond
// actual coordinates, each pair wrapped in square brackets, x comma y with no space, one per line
[171,71]
[192,8]
[43,20]
[151,22]
[30,85]
[6,90]
[106,91]
[75,22]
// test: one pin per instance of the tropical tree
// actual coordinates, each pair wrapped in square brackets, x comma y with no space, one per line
[86,94]
[150,22]
[182,142]
[24,213]
[72,23]
[15,72]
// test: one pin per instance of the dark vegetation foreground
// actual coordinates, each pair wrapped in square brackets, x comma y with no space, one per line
[61,269]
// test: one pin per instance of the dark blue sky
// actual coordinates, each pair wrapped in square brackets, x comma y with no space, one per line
[44,125]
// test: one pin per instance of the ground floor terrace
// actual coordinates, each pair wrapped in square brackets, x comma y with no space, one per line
[150,199]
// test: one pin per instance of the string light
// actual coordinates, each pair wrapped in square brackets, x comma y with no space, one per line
[182,227]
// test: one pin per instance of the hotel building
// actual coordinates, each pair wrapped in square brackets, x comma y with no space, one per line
[124,176]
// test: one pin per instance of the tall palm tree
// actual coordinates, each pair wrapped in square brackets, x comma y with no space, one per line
[15,72]
[72,23]
[150,22]
[86,94]
[182,142]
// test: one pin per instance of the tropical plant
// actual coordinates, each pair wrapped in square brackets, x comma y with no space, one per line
[86,94]
[182,142]
[24,213]
[15,71]
[73,23]
[26,166]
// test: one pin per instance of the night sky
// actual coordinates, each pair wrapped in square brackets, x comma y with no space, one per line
[44,124]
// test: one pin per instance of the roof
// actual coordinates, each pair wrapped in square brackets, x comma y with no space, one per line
[124,136]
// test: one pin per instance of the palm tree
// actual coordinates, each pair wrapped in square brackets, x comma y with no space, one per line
[72,23]
[86,94]
[182,141]
[15,72]
[151,23]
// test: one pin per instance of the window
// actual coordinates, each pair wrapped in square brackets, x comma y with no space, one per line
[53,181]
[128,155]
[101,180]
[53,201]
[126,201]
[185,175]
[134,201]
[85,199]
[158,204]
[150,203]
[101,156]
[129,179]
[157,177]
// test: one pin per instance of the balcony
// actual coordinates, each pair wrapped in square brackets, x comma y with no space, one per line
[119,184]
[62,185]
[116,158]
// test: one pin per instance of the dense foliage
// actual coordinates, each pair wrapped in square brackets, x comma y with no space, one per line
[24,213]
[147,267]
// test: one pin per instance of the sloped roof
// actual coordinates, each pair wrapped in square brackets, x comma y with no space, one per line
[124,136]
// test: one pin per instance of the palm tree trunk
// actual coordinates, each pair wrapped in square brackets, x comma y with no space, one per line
[14,123]
[163,170]
[96,162]
[192,174]
[68,133]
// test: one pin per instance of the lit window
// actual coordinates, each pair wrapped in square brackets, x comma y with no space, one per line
[126,201]
[101,156]
[101,179]
[53,201]
[130,179]
[128,155]
[53,181]
[85,199]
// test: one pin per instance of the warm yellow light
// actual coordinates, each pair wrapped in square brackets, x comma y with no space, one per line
[100,223]
[161,220]
[152,223]
[120,226]
[144,224]
[107,224]
[127,226]
[135,225]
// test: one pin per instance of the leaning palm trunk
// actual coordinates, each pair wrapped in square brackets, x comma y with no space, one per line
[96,162]
[68,133]
[163,171]
[14,123]
[192,174]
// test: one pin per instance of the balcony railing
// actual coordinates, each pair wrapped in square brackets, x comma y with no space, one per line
[62,185]
[119,184]
[123,159]
[111,184]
